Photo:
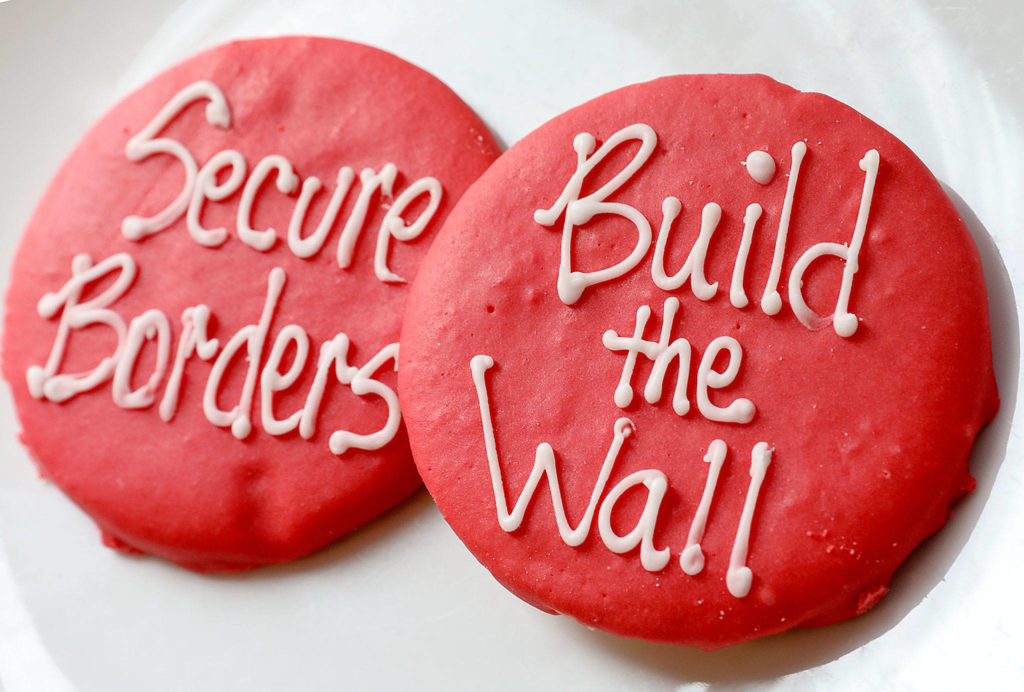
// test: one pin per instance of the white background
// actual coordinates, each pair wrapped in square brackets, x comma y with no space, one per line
[401,604]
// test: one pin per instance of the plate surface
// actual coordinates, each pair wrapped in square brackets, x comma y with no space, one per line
[401,604]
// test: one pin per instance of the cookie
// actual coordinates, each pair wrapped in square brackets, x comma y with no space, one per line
[202,321]
[699,361]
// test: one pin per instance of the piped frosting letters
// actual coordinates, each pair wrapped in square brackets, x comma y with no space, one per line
[717,368]
[310,245]
[150,325]
[207,188]
[771,302]
[47,381]
[370,183]
[363,384]
[692,557]
[651,558]
[579,210]
[662,352]
[202,185]
[543,465]
[739,411]
[761,166]
[740,577]
[223,175]
[272,380]
[394,226]
[693,268]
[737,295]
[251,338]
[844,322]
[146,144]
[194,340]
[248,344]
[642,535]
[287,182]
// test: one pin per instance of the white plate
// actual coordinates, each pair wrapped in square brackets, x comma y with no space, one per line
[401,604]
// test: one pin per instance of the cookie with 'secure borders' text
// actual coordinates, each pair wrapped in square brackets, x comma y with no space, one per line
[699,361]
[203,316]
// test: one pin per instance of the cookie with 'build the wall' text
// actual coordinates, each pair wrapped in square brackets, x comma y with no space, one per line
[699,361]
[203,316]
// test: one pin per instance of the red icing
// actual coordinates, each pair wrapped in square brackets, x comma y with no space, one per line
[187,490]
[870,434]
[867,599]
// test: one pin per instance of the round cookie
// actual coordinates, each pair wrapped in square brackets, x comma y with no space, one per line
[699,361]
[202,322]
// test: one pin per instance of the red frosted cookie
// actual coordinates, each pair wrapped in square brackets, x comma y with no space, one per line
[203,316]
[699,361]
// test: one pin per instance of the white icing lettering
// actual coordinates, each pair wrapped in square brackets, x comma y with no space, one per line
[579,211]
[771,301]
[737,296]
[371,181]
[252,337]
[662,352]
[665,352]
[334,351]
[272,380]
[202,185]
[153,326]
[739,411]
[194,339]
[761,166]
[150,325]
[652,559]
[613,342]
[207,188]
[692,557]
[394,226]
[363,384]
[844,322]
[544,464]
[311,244]
[693,268]
[740,577]
[146,143]
[287,183]
[47,382]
